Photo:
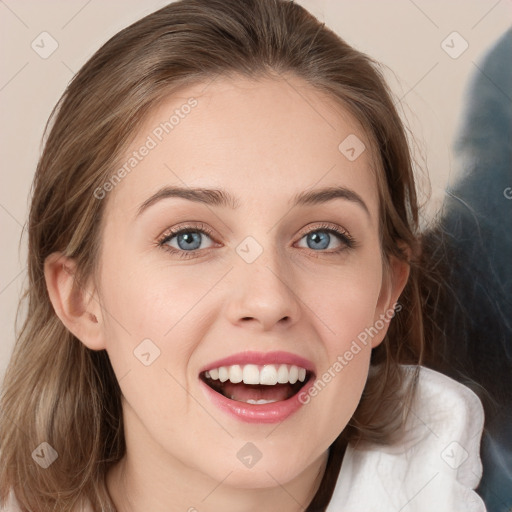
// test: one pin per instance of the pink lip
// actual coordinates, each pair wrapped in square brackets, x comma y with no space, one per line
[261,358]
[252,413]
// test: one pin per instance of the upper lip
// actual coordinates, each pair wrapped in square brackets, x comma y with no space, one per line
[261,358]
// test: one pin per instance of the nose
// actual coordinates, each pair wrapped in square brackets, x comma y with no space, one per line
[262,295]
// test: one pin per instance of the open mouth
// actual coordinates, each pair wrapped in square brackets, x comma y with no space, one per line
[257,384]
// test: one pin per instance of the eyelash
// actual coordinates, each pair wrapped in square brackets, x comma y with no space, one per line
[344,237]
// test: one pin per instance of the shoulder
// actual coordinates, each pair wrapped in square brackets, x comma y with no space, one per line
[434,466]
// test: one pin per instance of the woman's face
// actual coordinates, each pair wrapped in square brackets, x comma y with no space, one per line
[276,277]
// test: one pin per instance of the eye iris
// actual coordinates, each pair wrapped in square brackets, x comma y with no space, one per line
[319,237]
[189,238]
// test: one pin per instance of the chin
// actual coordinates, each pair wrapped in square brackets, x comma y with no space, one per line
[262,477]
[270,468]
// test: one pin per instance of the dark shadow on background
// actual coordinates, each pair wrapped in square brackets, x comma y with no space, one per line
[469,255]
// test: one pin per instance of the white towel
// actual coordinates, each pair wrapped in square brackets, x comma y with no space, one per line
[435,467]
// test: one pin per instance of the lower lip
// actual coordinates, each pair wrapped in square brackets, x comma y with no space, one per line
[274,412]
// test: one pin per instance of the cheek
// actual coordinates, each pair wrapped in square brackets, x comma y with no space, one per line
[347,308]
[347,301]
[150,302]
[152,327]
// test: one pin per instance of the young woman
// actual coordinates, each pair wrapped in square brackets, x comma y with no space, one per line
[223,305]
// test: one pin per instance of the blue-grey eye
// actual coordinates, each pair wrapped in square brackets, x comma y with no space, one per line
[187,240]
[318,240]
[322,239]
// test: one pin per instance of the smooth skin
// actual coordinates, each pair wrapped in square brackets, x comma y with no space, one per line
[262,141]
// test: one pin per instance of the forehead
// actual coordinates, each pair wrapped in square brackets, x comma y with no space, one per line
[277,135]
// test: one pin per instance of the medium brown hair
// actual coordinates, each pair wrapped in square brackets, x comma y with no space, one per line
[59,391]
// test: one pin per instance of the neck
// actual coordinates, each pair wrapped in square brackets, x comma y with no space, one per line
[137,485]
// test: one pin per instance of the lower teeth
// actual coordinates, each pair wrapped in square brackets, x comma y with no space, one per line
[255,402]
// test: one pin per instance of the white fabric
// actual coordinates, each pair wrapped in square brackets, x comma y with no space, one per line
[435,467]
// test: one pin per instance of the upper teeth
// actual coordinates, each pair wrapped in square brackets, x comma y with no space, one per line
[268,374]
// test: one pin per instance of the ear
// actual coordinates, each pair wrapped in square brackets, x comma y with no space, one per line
[395,276]
[76,304]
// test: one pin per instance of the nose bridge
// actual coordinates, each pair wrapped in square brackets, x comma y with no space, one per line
[263,285]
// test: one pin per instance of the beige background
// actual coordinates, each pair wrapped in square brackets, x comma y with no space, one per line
[405,35]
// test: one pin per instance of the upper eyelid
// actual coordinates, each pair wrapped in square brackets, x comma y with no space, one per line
[326,226]
[172,232]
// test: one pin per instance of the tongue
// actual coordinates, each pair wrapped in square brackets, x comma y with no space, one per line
[243,392]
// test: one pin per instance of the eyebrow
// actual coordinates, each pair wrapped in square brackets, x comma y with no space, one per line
[219,197]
